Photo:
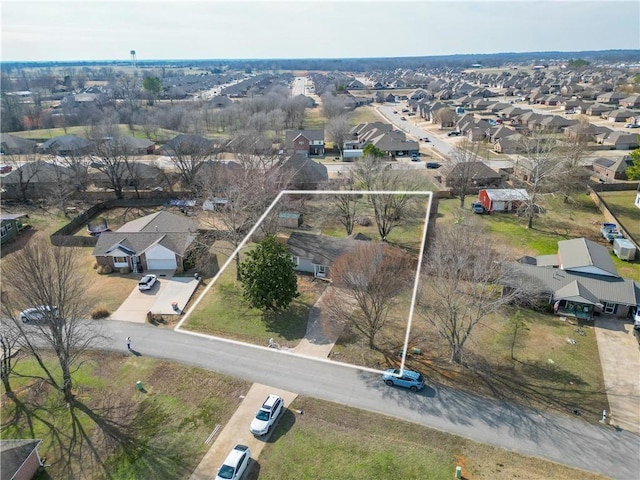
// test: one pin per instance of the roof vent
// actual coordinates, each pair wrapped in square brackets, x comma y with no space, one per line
[156,228]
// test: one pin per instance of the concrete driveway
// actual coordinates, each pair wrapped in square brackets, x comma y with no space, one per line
[159,300]
[620,360]
[237,431]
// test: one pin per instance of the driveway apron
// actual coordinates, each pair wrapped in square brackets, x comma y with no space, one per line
[620,360]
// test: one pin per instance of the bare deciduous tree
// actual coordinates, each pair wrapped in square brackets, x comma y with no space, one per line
[463,168]
[461,284]
[338,131]
[9,342]
[445,117]
[44,275]
[538,163]
[389,209]
[345,209]
[372,276]
[188,153]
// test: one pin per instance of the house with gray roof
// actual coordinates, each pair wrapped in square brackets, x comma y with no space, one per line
[160,241]
[307,142]
[302,173]
[581,281]
[19,458]
[66,145]
[315,254]
[612,168]
[12,145]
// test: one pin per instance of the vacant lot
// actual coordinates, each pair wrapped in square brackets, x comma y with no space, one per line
[622,206]
[333,441]
[116,431]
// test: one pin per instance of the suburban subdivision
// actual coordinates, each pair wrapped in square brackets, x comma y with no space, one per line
[271,266]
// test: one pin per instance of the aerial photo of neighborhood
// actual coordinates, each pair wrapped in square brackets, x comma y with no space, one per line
[339,239]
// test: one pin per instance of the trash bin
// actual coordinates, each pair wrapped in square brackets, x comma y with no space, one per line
[139,386]
[458,472]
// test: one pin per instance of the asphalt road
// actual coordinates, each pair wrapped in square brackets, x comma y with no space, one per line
[596,448]
[410,128]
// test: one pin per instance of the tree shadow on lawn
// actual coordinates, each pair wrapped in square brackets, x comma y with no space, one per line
[289,324]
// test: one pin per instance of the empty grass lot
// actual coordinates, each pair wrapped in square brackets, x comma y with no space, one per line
[333,441]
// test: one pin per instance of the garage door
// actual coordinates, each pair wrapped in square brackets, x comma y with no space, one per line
[161,263]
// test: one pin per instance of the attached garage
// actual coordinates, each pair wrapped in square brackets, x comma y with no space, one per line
[160,258]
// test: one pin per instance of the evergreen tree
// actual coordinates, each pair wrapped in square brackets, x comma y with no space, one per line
[268,276]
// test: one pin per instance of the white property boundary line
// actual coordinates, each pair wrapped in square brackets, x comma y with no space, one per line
[416,283]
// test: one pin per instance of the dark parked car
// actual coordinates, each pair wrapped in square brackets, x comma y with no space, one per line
[433,165]
[453,134]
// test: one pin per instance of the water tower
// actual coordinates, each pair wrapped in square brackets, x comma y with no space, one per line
[133,58]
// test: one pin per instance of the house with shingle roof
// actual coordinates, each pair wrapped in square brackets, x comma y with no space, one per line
[66,145]
[613,168]
[315,254]
[581,281]
[12,145]
[618,140]
[632,101]
[160,241]
[307,142]
[19,459]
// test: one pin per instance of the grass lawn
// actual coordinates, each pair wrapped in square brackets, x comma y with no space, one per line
[364,114]
[224,312]
[622,206]
[160,134]
[314,118]
[120,432]
[333,441]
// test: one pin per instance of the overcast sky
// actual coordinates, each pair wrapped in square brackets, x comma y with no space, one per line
[218,29]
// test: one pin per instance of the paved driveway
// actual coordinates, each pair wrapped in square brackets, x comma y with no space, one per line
[167,290]
[620,360]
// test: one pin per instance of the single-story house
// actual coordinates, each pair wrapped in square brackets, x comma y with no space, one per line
[476,174]
[619,140]
[581,281]
[20,459]
[620,115]
[303,173]
[11,226]
[66,145]
[12,145]
[159,241]
[632,101]
[315,254]
[307,142]
[37,179]
[510,144]
[612,168]
[612,98]
[502,199]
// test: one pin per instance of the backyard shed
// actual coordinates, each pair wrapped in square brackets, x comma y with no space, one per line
[502,199]
[624,249]
[289,219]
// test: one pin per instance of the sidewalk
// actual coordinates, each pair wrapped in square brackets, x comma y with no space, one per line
[318,342]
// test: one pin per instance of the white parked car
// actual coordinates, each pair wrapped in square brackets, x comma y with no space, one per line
[147,282]
[267,416]
[39,313]
[235,464]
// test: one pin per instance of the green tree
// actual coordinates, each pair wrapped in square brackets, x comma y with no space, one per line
[370,150]
[268,276]
[633,171]
[153,85]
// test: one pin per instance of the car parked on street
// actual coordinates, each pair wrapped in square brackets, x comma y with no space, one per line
[267,416]
[404,378]
[39,313]
[433,165]
[453,134]
[147,282]
[235,464]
